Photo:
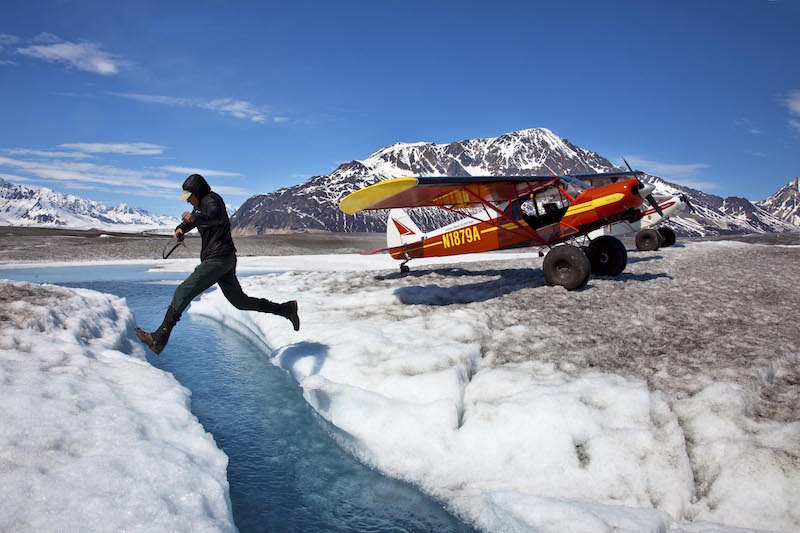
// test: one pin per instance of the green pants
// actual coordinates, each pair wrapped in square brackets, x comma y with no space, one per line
[222,271]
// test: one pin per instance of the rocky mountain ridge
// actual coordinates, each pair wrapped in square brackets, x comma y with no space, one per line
[313,205]
[29,206]
[784,204]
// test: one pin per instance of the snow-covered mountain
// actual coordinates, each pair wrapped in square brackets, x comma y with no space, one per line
[29,206]
[313,205]
[715,215]
[784,204]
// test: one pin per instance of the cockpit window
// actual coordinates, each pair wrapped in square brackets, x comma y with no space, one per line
[545,202]
[573,186]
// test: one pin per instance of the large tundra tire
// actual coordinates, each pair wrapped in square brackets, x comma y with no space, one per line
[648,240]
[608,256]
[667,236]
[567,266]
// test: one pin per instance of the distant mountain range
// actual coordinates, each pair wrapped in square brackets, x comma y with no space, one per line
[28,206]
[784,204]
[313,205]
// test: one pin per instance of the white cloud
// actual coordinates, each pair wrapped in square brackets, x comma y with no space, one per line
[226,189]
[68,169]
[46,37]
[793,104]
[748,126]
[659,168]
[84,56]
[136,148]
[90,173]
[678,173]
[44,153]
[696,184]
[280,120]
[237,108]
[6,40]
[13,178]
[201,171]
[226,106]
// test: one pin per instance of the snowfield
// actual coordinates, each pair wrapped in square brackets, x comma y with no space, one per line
[666,398]
[93,438]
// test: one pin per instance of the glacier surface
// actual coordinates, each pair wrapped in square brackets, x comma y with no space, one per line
[665,398]
[93,437]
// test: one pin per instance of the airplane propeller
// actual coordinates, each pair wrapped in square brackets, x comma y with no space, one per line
[646,192]
[687,202]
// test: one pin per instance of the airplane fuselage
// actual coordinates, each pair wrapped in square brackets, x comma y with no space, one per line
[504,226]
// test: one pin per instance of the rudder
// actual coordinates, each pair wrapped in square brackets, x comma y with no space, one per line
[401,230]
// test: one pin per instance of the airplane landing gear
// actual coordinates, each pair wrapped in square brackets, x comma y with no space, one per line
[648,240]
[607,255]
[567,266]
[667,236]
[404,268]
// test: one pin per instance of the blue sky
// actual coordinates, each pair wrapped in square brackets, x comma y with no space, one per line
[120,101]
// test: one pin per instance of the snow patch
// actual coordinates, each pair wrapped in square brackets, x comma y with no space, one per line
[93,437]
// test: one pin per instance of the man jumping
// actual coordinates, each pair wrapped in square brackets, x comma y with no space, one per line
[217,264]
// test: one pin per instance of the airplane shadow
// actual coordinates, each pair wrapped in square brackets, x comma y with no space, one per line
[504,281]
[642,258]
[626,276]
[288,356]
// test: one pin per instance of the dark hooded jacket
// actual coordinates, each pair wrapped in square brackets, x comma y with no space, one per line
[210,219]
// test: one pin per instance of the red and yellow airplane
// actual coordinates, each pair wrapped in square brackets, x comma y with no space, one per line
[502,212]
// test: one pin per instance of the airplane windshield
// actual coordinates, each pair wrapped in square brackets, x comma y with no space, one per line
[573,186]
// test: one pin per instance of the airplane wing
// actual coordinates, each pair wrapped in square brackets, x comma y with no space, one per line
[605,178]
[447,192]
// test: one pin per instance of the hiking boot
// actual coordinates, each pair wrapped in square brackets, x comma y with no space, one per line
[287,310]
[290,308]
[157,340]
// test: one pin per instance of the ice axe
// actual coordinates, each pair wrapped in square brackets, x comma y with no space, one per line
[166,253]
[648,190]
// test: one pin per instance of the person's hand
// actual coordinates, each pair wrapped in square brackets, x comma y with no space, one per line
[179,234]
[187,217]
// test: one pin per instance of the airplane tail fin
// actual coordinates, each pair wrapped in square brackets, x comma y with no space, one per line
[400,229]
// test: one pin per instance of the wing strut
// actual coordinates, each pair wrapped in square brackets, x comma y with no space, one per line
[526,231]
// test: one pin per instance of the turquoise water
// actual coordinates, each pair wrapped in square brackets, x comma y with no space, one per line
[285,472]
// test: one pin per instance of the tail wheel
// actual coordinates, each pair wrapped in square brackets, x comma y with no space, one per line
[607,256]
[667,236]
[567,266]
[648,240]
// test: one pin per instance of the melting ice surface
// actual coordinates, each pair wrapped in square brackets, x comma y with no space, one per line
[663,399]
[285,471]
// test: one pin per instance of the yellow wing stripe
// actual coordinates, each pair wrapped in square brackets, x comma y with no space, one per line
[368,196]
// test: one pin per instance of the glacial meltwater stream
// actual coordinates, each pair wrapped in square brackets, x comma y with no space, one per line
[285,472]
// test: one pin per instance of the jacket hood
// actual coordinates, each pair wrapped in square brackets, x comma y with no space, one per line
[198,185]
